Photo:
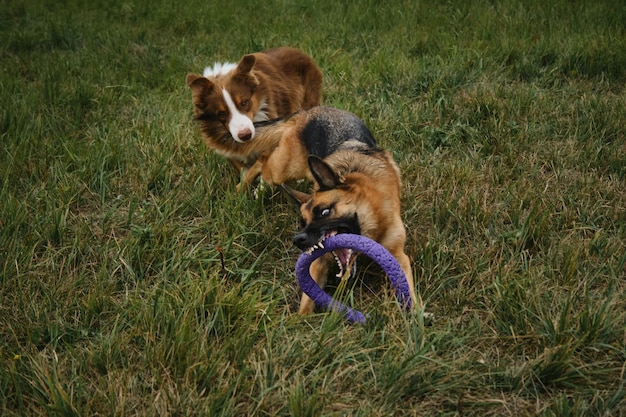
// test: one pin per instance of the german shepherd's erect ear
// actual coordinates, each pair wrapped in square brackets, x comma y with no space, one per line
[298,196]
[324,175]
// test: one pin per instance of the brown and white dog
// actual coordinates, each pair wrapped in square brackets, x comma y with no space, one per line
[231,101]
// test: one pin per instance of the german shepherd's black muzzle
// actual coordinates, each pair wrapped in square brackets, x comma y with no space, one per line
[316,232]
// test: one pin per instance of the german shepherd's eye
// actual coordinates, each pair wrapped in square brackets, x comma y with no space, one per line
[321,212]
[221,115]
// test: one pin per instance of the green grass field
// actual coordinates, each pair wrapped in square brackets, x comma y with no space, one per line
[134,279]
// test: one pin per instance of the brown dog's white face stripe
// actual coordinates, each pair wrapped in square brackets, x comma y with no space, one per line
[239,123]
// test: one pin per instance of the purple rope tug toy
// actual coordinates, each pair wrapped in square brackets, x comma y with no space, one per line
[362,244]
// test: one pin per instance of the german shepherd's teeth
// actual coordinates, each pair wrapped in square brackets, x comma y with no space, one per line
[315,247]
[341,271]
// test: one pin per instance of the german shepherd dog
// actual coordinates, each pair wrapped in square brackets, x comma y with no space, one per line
[356,190]
[231,101]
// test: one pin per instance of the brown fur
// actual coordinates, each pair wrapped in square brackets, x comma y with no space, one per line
[286,79]
[367,184]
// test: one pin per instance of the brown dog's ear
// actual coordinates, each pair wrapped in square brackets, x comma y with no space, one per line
[298,196]
[199,85]
[200,88]
[246,64]
[191,78]
[324,175]
[244,71]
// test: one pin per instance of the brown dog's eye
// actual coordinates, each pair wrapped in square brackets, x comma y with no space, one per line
[221,115]
[243,104]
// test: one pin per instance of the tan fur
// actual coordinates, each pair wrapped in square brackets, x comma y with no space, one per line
[286,79]
[287,160]
[370,187]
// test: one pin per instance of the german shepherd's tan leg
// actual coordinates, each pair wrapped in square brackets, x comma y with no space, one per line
[405,264]
[254,171]
[319,272]
[287,162]
[395,244]
[277,166]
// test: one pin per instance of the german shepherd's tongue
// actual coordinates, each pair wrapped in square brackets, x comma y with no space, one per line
[345,259]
